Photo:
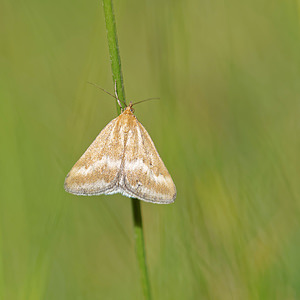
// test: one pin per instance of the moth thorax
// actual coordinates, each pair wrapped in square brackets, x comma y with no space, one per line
[128,122]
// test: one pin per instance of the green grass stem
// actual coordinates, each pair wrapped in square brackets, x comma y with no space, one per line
[118,78]
[114,50]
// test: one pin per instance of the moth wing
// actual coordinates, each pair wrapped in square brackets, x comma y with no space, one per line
[144,174]
[97,170]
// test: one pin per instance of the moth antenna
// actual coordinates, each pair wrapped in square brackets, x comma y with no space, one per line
[155,98]
[99,87]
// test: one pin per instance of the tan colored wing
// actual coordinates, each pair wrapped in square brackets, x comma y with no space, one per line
[144,175]
[96,172]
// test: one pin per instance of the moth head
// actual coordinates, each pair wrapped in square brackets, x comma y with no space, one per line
[129,109]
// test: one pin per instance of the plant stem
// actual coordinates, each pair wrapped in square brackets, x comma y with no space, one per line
[114,50]
[118,78]
[140,246]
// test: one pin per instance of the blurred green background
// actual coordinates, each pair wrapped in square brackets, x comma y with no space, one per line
[227,127]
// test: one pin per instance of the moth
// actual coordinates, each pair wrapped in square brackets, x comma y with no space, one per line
[122,159]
